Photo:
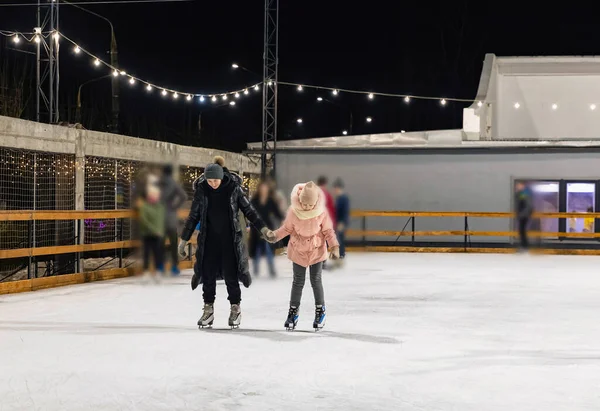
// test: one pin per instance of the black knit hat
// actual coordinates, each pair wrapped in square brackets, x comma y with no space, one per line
[214,171]
[338,183]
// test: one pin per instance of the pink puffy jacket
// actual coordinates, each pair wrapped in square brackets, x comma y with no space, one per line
[310,231]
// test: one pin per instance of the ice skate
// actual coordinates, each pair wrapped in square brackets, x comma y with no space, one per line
[208,317]
[235,316]
[319,322]
[292,319]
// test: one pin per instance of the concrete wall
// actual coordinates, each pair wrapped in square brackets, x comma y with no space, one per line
[30,135]
[434,182]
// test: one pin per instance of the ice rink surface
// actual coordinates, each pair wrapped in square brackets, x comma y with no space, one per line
[404,332]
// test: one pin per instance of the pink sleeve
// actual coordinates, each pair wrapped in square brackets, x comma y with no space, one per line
[328,232]
[286,228]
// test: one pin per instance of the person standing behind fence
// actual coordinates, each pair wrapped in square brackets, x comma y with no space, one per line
[173,197]
[342,211]
[264,203]
[152,227]
[523,210]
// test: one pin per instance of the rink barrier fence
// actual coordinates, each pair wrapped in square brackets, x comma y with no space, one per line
[32,284]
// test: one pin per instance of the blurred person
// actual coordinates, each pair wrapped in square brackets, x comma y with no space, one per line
[221,252]
[264,203]
[588,222]
[152,226]
[281,201]
[322,182]
[173,197]
[523,210]
[311,231]
[342,211]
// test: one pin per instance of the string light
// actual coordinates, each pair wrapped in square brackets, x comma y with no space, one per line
[335,92]
[345,132]
[592,107]
[16,39]
[319,98]
[256,87]
[37,39]
[371,96]
[123,73]
[115,73]
[96,62]
[201,99]
[237,95]
[369,119]
[224,96]
[517,105]
[554,106]
[77,50]
[189,98]
[175,96]
[407,99]
[214,99]
[235,66]
[299,121]
[479,104]
[232,103]
[149,87]
[246,92]
[300,88]
[164,92]
[443,102]
[131,80]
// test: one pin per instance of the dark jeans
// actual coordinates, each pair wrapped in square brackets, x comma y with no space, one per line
[172,236]
[153,247]
[341,236]
[262,247]
[523,222]
[216,262]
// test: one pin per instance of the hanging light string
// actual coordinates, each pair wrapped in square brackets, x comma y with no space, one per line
[224,96]
[214,97]
[373,94]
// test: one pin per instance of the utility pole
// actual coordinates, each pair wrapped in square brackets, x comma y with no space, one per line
[47,66]
[270,84]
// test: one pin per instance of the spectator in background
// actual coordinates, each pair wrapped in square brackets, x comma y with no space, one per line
[152,226]
[173,196]
[329,204]
[523,210]
[342,209]
[266,207]
[281,200]
[588,222]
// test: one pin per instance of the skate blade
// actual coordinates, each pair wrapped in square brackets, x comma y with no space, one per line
[201,327]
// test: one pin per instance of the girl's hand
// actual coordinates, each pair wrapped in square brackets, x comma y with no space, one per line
[269,235]
[334,253]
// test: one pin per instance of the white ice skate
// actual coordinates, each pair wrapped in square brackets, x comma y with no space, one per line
[208,317]
[235,316]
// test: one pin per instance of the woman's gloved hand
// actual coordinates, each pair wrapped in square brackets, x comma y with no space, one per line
[181,249]
[268,235]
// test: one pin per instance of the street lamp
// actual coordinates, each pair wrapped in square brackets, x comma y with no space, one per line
[78,110]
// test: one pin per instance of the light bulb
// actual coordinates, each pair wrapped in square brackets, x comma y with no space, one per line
[345,132]
[77,50]
[403,131]
[443,102]
[256,87]
[37,39]
[201,99]
[369,120]
[16,39]
[164,92]
[237,95]
[554,106]
[592,107]
[319,98]
[232,103]
[175,96]
[300,88]
[517,105]
[123,73]
[270,83]
[225,97]
[479,104]
[131,80]
[371,96]
[407,99]
[96,62]
[234,66]
[299,121]
[246,92]
[189,98]
[149,87]
[214,99]
[335,92]
[115,73]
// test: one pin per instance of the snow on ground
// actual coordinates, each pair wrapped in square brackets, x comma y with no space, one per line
[404,332]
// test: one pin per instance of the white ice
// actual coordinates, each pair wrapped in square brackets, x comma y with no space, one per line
[404,332]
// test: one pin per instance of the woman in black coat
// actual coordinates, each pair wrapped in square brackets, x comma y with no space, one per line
[264,203]
[221,252]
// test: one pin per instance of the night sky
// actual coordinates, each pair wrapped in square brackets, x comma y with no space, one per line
[421,48]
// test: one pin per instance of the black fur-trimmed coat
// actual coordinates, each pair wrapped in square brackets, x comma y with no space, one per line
[238,202]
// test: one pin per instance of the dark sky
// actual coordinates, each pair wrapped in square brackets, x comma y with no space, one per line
[429,48]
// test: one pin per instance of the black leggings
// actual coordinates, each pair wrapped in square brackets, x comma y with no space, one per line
[523,222]
[171,235]
[217,262]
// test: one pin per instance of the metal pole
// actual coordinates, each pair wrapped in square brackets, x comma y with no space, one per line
[115,82]
[413,230]
[34,192]
[29,246]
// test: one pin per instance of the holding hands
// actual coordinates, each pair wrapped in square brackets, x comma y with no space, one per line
[269,235]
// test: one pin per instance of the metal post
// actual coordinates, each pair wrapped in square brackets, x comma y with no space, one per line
[466,229]
[114,82]
[121,239]
[270,84]
[78,258]
[29,245]
[413,229]
[364,228]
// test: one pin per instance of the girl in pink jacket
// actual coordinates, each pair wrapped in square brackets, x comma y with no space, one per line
[311,233]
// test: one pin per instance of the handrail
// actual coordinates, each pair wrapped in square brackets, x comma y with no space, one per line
[369,213]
